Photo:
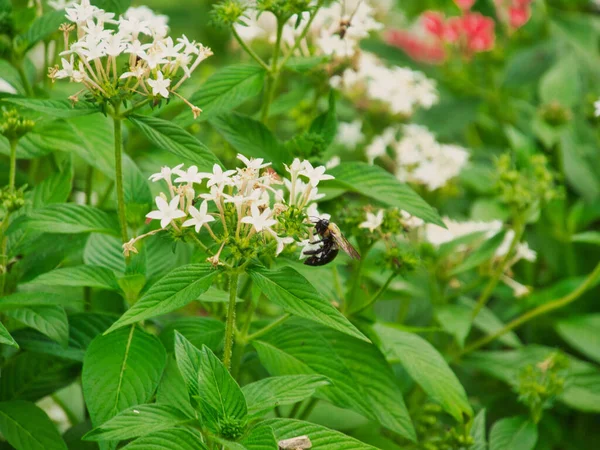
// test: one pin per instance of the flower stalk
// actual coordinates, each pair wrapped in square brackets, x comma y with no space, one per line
[118,136]
[230,323]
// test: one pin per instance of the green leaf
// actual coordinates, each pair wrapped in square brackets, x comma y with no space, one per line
[487,322]
[583,334]
[27,427]
[83,328]
[54,189]
[49,320]
[41,28]
[6,338]
[376,183]
[104,251]
[579,32]
[11,75]
[172,389]
[251,138]
[361,377]
[304,64]
[69,218]
[322,438]
[477,432]
[180,287]
[32,376]
[188,360]
[515,433]
[116,6]
[171,137]
[137,421]
[121,370]
[225,90]
[427,368]
[264,395]
[481,255]
[587,237]
[198,330]
[326,124]
[79,276]
[24,299]
[582,392]
[455,320]
[260,437]
[63,109]
[175,439]
[562,83]
[290,290]
[218,391]
[579,162]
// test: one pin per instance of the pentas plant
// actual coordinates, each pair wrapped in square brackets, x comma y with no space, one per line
[249,212]
[156,65]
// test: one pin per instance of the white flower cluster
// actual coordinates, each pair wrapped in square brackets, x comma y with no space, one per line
[249,193]
[400,89]
[61,4]
[337,29]
[157,65]
[419,157]
[437,236]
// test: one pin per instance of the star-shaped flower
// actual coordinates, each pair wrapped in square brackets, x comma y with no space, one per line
[252,163]
[373,221]
[192,176]
[166,173]
[260,221]
[219,177]
[160,86]
[167,212]
[315,174]
[199,217]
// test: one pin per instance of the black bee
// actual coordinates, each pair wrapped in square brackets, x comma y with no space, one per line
[332,240]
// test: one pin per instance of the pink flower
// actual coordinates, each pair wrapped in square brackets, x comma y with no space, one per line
[479,32]
[433,22]
[419,49]
[518,16]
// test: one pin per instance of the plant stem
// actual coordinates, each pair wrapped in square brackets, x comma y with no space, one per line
[230,325]
[117,121]
[377,295]
[355,284]
[489,289]
[542,309]
[268,328]
[302,35]
[13,164]
[273,75]
[309,409]
[248,50]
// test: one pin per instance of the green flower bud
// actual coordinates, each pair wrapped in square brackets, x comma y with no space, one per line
[14,126]
[228,13]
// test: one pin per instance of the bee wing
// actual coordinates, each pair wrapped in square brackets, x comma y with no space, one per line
[343,242]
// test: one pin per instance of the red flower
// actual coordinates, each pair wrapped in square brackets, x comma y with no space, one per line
[518,16]
[419,49]
[479,32]
[433,22]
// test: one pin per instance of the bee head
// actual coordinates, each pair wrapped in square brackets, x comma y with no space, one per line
[322,225]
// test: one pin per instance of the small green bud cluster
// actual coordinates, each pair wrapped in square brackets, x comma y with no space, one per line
[228,13]
[540,384]
[555,114]
[525,187]
[435,434]
[14,126]
[283,9]
[231,429]
[12,199]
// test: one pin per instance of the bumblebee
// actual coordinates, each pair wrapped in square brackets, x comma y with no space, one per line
[331,241]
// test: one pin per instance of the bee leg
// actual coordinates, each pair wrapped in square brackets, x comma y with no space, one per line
[316,242]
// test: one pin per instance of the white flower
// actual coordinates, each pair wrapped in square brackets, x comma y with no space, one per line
[166,173]
[160,86]
[313,213]
[260,221]
[306,247]
[199,217]
[597,108]
[333,162]
[373,221]
[350,134]
[60,4]
[295,167]
[167,212]
[191,176]
[519,290]
[219,177]
[253,163]
[315,174]
[282,242]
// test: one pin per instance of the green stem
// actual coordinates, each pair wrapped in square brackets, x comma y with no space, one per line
[355,284]
[302,35]
[273,75]
[268,328]
[241,342]
[230,325]
[309,409]
[248,50]
[117,121]
[13,164]
[540,310]
[377,295]
[489,289]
